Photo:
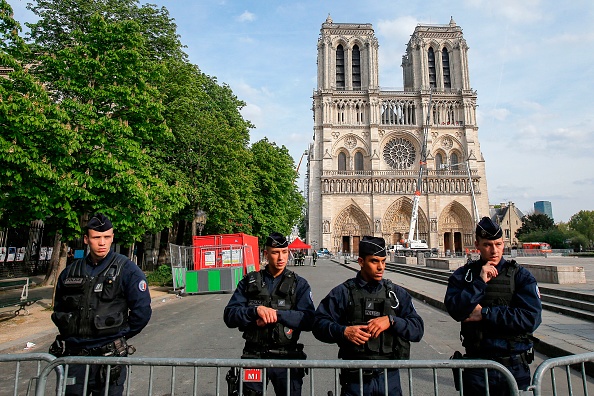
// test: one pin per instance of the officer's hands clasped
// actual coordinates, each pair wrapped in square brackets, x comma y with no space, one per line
[360,334]
[266,316]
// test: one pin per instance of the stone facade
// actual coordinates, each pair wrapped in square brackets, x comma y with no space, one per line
[509,218]
[363,165]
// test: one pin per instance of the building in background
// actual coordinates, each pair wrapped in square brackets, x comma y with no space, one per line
[509,219]
[364,161]
[544,207]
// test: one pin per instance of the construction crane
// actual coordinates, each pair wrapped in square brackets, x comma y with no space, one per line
[413,245]
[301,159]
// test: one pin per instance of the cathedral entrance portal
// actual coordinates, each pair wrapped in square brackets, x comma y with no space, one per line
[456,224]
[396,222]
[349,227]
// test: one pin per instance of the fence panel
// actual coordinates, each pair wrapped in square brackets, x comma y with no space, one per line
[19,372]
[158,376]
[575,382]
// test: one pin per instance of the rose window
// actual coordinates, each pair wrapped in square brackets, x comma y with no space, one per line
[399,153]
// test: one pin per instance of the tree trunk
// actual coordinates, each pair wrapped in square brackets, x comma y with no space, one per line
[61,265]
[54,266]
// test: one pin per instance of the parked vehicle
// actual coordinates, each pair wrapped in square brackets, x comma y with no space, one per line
[324,253]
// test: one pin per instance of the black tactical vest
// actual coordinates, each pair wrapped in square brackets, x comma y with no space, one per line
[499,292]
[364,306]
[92,307]
[274,336]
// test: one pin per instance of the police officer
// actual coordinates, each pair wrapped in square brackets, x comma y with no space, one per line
[498,305]
[369,318]
[101,301]
[272,307]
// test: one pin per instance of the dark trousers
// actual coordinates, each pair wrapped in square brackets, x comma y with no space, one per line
[374,386]
[474,380]
[95,382]
[278,377]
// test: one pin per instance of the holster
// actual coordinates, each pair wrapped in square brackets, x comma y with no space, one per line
[232,382]
[456,371]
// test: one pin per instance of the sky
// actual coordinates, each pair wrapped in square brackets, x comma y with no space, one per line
[531,63]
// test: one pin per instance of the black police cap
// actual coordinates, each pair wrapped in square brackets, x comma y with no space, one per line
[277,240]
[372,246]
[487,229]
[99,222]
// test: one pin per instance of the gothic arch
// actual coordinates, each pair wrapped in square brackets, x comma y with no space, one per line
[350,222]
[447,142]
[396,221]
[454,220]
[350,143]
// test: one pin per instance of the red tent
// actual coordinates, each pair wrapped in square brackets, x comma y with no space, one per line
[298,244]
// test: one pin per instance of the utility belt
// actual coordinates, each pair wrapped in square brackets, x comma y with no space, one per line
[525,357]
[257,352]
[351,376]
[118,348]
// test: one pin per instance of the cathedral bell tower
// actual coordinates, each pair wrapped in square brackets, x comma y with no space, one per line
[363,164]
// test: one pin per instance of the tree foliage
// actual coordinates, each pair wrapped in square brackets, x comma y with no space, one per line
[534,222]
[210,147]
[583,222]
[35,140]
[110,116]
[278,204]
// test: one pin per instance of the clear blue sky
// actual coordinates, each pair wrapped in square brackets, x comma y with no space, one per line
[531,62]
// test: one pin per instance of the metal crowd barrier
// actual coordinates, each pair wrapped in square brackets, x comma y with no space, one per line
[29,374]
[207,376]
[564,363]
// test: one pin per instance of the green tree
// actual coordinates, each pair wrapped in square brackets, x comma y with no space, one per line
[58,19]
[278,203]
[553,236]
[35,142]
[583,222]
[210,147]
[104,85]
[534,222]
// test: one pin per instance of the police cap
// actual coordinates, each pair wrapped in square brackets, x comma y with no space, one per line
[99,222]
[372,246]
[487,229]
[277,240]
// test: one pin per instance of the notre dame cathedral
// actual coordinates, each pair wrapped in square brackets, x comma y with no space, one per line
[364,162]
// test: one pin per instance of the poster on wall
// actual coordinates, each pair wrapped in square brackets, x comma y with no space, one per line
[43,253]
[20,254]
[209,258]
[11,253]
[232,256]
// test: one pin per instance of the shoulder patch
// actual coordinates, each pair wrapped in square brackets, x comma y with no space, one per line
[142,285]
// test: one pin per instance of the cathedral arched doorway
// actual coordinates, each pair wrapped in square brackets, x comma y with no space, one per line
[455,229]
[396,222]
[350,226]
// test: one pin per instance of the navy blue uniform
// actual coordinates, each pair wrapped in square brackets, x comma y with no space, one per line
[521,316]
[239,314]
[331,321]
[135,290]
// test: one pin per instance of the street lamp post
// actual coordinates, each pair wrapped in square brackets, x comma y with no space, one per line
[199,221]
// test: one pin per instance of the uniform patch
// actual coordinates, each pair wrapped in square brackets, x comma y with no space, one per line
[98,287]
[537,292]
[142,285]
[311,295]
